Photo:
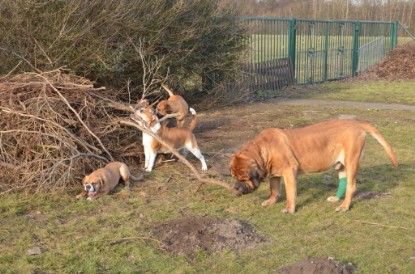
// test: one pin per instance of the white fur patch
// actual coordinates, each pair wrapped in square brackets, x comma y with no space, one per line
[340,158]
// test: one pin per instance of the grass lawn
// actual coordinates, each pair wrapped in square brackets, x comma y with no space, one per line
[359,91]
[114,234]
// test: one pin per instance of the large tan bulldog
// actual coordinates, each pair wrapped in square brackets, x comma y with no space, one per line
[277,153]
[104,180]
[175,104]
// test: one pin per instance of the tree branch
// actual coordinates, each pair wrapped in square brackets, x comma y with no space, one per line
[178,155]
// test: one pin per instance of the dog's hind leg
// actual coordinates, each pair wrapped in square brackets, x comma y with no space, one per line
[351,166]
[125,175]
[350,189]
[342,186]
[196,152]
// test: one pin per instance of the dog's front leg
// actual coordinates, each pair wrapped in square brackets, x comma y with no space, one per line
[98,195]
[82,194]
[290,181]
[151,159]
[146,157]
[275,186]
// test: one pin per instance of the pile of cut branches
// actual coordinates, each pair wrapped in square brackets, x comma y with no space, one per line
[398,65]
[56,127]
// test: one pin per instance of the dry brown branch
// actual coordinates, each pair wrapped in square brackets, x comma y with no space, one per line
[10,72]
[10,166]
[44,145]
[150,69]
[79,141]
[181,158]
[77,116]
[120,106]
[168,116]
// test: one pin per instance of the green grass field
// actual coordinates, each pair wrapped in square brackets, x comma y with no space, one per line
[113,234]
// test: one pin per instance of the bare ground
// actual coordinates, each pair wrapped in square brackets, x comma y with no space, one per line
[317,265]
[190,235]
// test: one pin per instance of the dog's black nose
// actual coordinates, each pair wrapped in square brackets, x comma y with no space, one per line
[239,187]
[88,187]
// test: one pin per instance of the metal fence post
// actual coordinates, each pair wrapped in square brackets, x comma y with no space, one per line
[355,52]
[326,49]
[394,34]
[292,33]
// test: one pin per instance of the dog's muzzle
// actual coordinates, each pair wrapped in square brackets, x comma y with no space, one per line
[91,190]
[89,187]
[242,188]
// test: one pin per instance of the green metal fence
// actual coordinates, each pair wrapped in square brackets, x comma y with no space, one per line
[322,50]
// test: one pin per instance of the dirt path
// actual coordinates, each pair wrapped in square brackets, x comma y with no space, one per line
[312,102]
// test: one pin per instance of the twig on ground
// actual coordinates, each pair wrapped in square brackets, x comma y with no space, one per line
[168,179]
[377,224]
[127,239]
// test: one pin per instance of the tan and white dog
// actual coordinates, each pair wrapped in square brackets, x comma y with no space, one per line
[176,137]
[175,104]
[278,153]
[104,180]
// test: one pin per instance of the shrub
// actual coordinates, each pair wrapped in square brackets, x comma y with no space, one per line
[97,39]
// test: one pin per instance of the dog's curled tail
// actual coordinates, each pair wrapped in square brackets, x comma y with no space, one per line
[137,178]
[376,134]
[166,88]
[192,124]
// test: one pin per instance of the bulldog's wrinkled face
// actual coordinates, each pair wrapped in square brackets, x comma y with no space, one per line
[92,185]
[246,173]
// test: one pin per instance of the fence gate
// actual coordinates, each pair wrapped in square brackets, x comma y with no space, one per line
[318,50]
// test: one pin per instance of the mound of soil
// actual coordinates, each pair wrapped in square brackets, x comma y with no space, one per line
[316,265]
[209,234]
[399,64]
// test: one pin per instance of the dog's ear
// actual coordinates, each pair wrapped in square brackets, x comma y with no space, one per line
[168,109]
[255,177]
[100,182]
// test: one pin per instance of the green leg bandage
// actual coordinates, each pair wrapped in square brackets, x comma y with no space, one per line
[342,187]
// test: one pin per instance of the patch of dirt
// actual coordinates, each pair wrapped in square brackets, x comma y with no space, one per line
[399,64]
[317,265]
[372,195]
[209,234]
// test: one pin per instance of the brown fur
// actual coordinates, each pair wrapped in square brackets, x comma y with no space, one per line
[104,180]
[277,153]
[175,104]
[177,137]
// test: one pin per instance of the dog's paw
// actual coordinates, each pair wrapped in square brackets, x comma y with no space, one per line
[268,202]
[333,199]
[341,209]
[89,199]
[288,211]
